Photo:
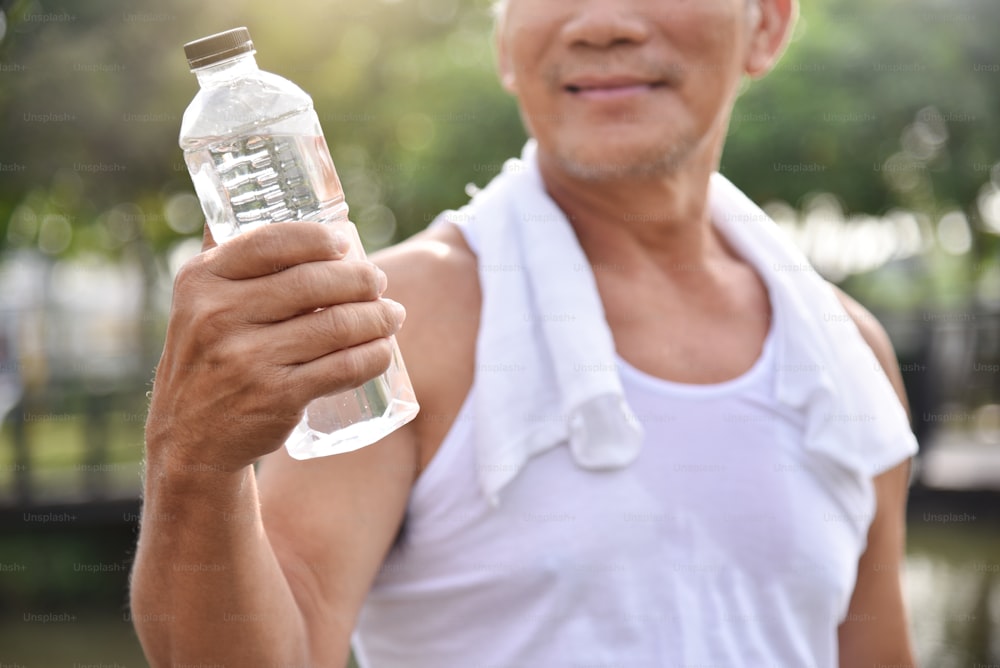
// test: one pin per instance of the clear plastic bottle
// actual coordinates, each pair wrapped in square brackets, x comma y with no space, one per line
[256,153]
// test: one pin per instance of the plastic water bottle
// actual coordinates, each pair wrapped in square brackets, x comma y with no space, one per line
[256,153]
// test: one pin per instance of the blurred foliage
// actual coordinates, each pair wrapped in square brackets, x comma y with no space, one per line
[845,97]
[892,107]
[91,96]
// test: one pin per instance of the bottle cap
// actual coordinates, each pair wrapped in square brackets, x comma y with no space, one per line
[218,47]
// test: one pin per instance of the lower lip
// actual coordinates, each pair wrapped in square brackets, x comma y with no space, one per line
[615,93]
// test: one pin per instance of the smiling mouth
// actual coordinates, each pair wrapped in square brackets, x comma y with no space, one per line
[622,87]
[613,92]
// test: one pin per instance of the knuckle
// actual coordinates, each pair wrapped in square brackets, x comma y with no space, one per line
[294,238]
[203,321]
[353,367]
[297,280]
[320,279]
[387,320]
[235,352]
[369,280]
[345,323]
[312,285]
[379,356]
[259,243]
[326,242]
[290,391]
[190,314]
[256,247]
[362,363]
[189,276]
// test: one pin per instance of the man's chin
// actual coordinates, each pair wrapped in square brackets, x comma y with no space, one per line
[600,164]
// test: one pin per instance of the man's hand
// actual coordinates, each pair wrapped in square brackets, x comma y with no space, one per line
[247,348]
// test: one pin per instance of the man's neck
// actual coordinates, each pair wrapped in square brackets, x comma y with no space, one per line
[665,218]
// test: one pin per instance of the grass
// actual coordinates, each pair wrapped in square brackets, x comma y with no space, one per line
[89,640]
[79,640]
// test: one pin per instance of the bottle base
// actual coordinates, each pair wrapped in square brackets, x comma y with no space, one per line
[306,443]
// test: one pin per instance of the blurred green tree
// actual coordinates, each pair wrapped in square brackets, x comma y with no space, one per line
[92,95]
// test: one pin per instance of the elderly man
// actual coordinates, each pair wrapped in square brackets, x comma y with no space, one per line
[649,434]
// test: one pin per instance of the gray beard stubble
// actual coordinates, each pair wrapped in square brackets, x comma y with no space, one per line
[645,165]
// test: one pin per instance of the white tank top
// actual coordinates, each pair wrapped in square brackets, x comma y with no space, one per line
[726,543]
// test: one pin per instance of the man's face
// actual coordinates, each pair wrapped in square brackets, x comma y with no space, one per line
[625,88]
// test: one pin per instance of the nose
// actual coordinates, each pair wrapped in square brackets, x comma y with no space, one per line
[605,23]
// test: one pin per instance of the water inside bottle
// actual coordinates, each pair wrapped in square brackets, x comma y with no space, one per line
[244,182]
[351,420]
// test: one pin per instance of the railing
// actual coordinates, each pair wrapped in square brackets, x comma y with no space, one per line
[71,444]
[70,447]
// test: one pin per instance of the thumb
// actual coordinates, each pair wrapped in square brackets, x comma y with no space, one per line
[207,242]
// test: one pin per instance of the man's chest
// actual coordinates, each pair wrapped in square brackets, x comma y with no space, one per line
[722,496]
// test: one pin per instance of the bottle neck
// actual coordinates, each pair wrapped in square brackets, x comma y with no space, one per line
[219,74]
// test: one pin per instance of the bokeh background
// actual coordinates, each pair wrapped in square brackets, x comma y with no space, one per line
[875,144]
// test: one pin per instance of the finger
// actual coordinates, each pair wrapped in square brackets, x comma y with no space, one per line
[341,370]
[273,248]
[207,240]
[307,287]
[315,335]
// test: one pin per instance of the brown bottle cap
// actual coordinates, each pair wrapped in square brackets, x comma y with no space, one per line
[218,47]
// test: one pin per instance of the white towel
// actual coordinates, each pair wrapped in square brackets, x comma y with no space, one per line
[546,371]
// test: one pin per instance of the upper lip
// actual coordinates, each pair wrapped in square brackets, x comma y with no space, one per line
[590,82]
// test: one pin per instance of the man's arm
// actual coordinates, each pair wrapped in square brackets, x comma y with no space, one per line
[331,521]
[246,350]
[876,630]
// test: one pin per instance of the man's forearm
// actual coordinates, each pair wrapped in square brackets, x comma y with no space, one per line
[206,587]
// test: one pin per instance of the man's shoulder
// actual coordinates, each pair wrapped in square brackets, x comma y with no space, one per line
[877,339]
[435,261]
[869,326]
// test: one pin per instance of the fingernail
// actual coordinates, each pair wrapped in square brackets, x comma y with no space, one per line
[383,282]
